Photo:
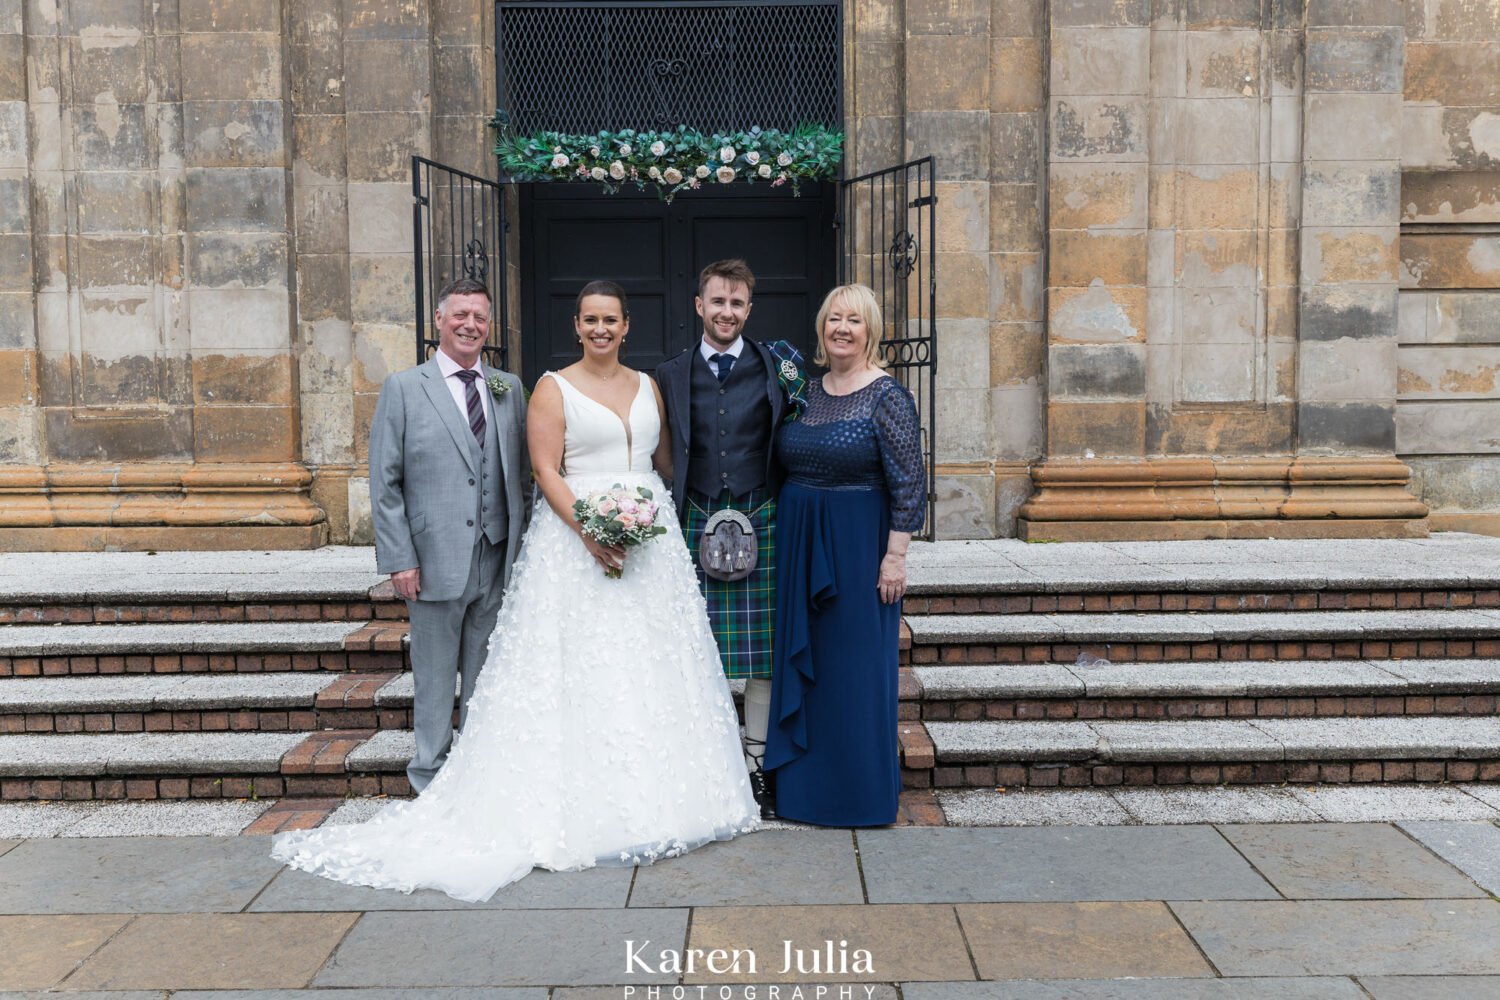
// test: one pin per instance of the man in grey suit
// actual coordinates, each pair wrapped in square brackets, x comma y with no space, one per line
[450,485]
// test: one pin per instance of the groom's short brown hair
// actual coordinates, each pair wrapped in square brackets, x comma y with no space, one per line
[735,271]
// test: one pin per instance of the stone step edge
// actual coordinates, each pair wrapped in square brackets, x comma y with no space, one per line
[37,641]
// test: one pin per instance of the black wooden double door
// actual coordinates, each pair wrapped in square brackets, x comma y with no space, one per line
[574,233]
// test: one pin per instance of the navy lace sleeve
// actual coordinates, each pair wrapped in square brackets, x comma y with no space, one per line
[898,432]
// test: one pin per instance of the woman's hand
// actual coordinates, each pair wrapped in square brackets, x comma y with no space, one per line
[607,556]
[892,583]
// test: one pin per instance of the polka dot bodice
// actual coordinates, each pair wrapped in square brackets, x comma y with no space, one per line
[868,438]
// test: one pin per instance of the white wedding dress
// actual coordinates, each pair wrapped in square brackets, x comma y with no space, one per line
[602,729]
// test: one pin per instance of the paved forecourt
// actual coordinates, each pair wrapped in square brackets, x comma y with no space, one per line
[1245,911]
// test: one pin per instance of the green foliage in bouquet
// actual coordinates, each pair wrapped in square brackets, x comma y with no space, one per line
[672,160]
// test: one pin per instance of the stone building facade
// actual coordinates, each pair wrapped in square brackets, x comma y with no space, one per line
[1205,267]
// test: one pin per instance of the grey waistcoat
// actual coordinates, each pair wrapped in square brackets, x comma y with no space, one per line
[731,427]
[491,514]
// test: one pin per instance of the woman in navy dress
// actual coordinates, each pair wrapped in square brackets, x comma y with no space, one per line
[855,491]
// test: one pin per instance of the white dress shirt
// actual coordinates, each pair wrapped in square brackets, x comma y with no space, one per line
[734,350]
[457,389]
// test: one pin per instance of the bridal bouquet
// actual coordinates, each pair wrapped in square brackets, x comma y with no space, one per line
[620,517]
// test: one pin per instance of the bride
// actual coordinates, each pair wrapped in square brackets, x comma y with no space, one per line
[601,730]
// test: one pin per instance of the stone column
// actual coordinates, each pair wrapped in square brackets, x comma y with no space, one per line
[20,437]
[1222,297]
[158,232]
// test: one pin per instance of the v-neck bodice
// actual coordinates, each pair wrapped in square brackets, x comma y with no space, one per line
[597,440]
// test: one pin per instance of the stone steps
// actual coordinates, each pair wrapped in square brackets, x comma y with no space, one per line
[1105,753]
[1267,635]
[1266,689]
[210,647]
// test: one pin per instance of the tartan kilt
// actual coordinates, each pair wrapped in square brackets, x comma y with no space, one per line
[742,612]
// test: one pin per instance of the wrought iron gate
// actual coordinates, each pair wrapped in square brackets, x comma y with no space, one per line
[888,229]
[458,230]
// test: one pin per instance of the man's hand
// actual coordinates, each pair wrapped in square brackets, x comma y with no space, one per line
[407,583]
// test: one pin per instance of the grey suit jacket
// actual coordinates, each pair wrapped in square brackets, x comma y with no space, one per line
[424,488]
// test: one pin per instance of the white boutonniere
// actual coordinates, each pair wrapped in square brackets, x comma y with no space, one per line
[498,387]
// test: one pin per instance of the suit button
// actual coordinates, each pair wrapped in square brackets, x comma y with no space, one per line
[723,453]
[471,482]
[721,392]
[469,523]
[722,412]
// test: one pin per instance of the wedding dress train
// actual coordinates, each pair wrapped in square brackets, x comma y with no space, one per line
[601,730]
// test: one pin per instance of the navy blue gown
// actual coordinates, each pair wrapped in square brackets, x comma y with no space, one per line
[854,474]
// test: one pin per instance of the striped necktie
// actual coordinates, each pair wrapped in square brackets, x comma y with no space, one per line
[474,403]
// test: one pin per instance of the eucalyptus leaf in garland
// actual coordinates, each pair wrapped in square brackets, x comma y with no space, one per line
[672,160]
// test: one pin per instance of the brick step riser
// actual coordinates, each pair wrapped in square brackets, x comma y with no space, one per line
[1087,774]
[941,654]
[200,612]
[1159,601]
[170,786]
[1275,707]
[205,721]
[373,661]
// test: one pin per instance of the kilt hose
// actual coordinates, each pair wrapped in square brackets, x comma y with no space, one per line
[743,612]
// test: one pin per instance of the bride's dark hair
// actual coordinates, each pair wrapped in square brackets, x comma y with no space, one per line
[603,287]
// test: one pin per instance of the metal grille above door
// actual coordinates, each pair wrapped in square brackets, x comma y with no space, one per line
[578,66]
[888,225]
[458,230]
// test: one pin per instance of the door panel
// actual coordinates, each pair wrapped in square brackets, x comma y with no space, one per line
[574,233]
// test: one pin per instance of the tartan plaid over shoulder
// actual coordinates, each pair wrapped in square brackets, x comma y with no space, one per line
[742,612]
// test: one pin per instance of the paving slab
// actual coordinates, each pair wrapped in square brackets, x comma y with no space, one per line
[766,990]
[145,753]
[1141,989]
[1380,803]
[597,888]
[1243,804]
[966,742]
[135,875]
[40,951]
[1348,861]
[1489,794]
[985,628]
[1385,738]
[1020,864]
[445,993]
[357,811]
[206,637]
[1347,937]
[904,943]
[1432,987]
[1237,679]
[387,750]
[1185,740]
[90,995]
[501,948]
[224,951]
[774,867]
[1472,848]
[23,820]
[1087,940]
[168,819]
[6,845]
[989,807]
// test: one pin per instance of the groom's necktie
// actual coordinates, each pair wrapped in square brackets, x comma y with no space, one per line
[724,362]
[474,403]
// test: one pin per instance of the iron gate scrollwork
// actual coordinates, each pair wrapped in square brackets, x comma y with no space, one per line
[888,227]
[458,231]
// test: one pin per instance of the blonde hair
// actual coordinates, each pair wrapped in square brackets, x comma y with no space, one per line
[861,299]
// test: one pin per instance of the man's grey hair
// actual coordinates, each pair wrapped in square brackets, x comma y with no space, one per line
[462,286]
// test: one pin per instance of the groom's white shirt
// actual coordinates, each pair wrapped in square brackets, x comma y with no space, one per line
[457,389]
[707,351]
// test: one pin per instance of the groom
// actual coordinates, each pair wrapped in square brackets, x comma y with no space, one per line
[725,397]
[449,481]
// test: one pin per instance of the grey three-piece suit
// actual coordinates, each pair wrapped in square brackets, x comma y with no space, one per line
[454,510]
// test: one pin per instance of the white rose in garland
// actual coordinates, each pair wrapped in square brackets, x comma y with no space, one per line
[727,154]
[784,159]
[559,161]
[598,174]
[654,173]
[617,170]
[658,148]
[724,174]
[672,175]
[624,149]
[594,152]
[702,172]
[752,157]
[764,170]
